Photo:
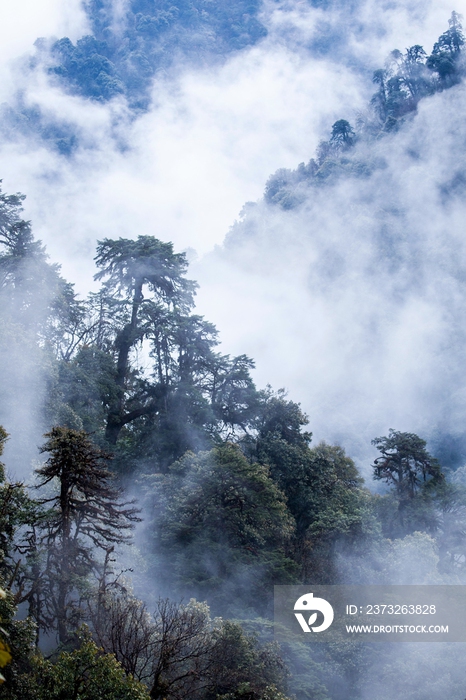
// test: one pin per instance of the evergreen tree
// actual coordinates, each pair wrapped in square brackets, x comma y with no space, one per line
[322,485]
[128,267]
[444,59]
[85,517]
[415,476]
[343,135]
[223,525]
[405,463]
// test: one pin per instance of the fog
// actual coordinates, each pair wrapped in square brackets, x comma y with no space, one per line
[354,300]
[365,337]
[357,296]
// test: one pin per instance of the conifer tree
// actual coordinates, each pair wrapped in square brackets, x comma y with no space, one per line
[85,516]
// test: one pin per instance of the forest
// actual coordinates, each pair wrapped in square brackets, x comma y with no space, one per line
[169,494]
[122,56]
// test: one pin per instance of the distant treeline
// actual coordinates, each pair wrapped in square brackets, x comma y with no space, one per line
[126,51]
[406,79]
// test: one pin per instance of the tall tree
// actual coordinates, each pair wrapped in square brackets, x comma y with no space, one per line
[127,268]
[416,479]
[190,397]
[86,516]
[29,285]
[444,59]
[405,463]
[322,485]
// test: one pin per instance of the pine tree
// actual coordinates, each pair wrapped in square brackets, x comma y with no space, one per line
[85,516]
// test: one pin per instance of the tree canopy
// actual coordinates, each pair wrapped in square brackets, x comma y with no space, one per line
[134,394]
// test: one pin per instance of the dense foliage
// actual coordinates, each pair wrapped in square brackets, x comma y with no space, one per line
[132,394]
[129,46]
[124,51]
[405,80]
[234,498]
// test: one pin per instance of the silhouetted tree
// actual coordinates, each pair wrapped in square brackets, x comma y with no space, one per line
[85,517]
[416,478]
[444,59]
[342,134]
[127,267]
[405,463]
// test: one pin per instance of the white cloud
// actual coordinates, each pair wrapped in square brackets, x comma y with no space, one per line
[356,301]
[23,21]
[208,145]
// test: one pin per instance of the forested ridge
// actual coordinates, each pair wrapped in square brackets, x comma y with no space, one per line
[407,78]
[128,49]
[151,434]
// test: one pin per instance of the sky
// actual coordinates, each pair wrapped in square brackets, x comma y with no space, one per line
[213,136]
[184,170]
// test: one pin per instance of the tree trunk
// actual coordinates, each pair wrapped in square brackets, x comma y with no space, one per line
[123,343]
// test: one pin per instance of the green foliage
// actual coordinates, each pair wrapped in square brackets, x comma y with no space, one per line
[223,525]
[18,512]
[85,485]
[20,636]
[87,351]
[405,79]
[243,668]
[405,463]
[416,478]
[28,283]
[192,396]
[127,265]
[321,484]
[87,382]
[282,419]
[260,507]
[84,517]
[84,674]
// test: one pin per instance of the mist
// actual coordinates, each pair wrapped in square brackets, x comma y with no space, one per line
[361,346]
[352,299]
[361,288]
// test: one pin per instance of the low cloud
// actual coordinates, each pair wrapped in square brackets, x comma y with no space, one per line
[306,293]
[355,300]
